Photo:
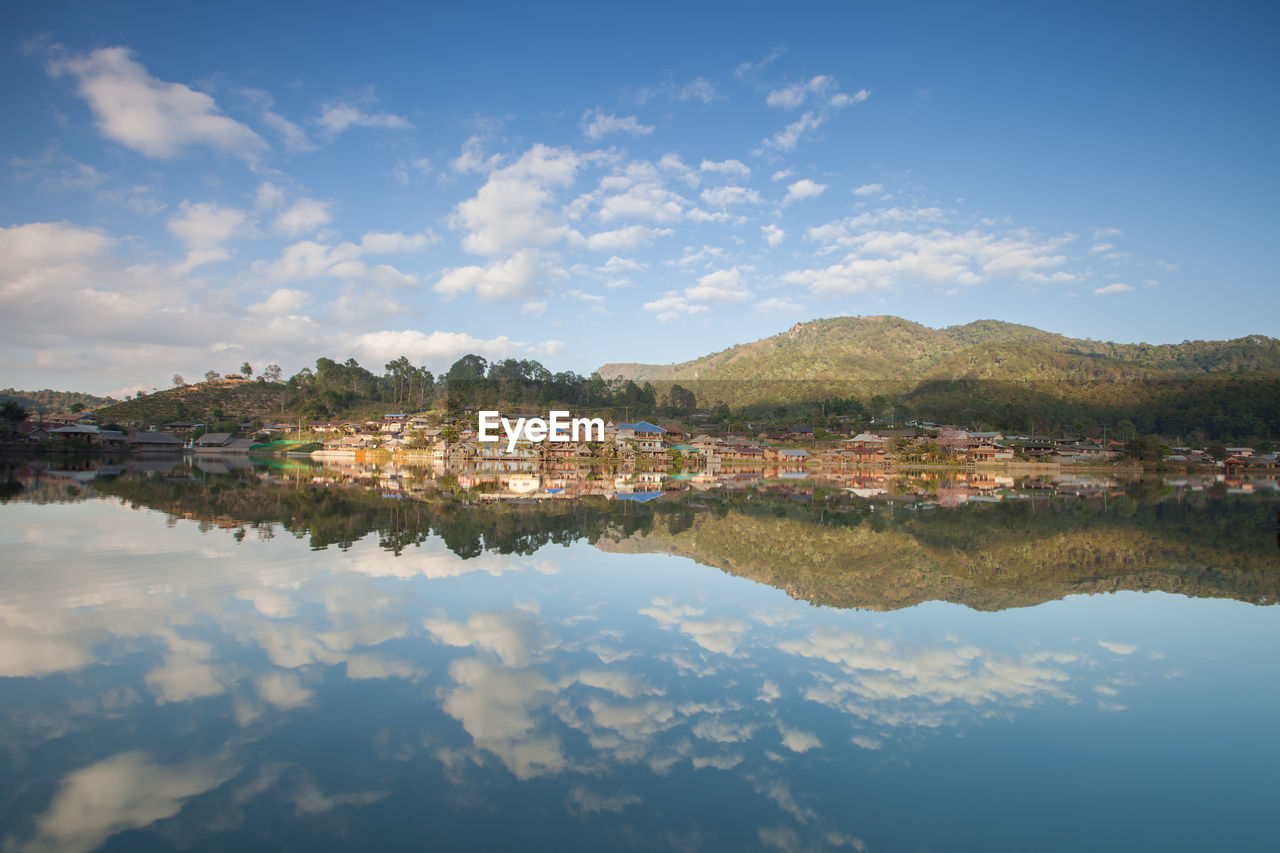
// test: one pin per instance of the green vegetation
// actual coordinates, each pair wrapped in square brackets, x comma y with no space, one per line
[212,404]
[1000,375]
[49,401]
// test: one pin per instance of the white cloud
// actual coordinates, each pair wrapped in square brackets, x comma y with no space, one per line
[841,100]
[878,258]
[304,216]
[698,89]
[797,740]
[781,175]
[123,792]
[626,238]
[718,286]
[802,189]
[868,189]
[337,117]
[396,242]
[203,228]
[509,211]
[597,124]
[672,307]
[495,282]
[649,201]
[436,348]
[820,89]
[506,635]
[726,167]
[283,301]
[787,138]
[723,197]
[268,196]
[150,116]
[1118,648]
[1113,288]
[773,235]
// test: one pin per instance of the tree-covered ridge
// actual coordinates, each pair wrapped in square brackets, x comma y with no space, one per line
[833,550]
[49,401]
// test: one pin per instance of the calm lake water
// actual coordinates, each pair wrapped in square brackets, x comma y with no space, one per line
[246,660]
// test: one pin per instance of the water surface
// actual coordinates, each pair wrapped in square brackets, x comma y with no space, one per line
[243,660]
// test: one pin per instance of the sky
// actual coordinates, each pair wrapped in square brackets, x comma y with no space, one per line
[188,187]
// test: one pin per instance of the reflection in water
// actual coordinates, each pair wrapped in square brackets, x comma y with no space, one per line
[167,676]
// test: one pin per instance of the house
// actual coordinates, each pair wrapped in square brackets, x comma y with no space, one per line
[865,441]
[795,456]
[148,441]
[221,442]
[641,436]
[32,431]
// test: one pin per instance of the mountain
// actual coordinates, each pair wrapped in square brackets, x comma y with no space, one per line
[913,365]
[202,403]
[50,401]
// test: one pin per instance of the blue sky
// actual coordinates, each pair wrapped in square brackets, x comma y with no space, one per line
[187,188]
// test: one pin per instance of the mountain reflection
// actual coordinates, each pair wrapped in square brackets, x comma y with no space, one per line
[178,666]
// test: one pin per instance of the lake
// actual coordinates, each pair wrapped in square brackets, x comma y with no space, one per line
[294,657]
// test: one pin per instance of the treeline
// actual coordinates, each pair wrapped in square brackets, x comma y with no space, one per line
[472,381]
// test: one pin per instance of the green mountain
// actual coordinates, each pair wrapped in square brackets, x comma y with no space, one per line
[890,349]
[1002,373]
[51,402]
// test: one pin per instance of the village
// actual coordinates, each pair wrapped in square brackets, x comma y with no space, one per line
[639,460]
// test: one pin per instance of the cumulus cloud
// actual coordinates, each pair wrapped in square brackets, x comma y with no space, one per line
[597,124]
[773,235]
[868,189]
[672,306]
[723,197]
[802,189]
[150,116]
[126,791]
[304,216]
[495,282]
[510,211]
[203,228]
[735,168]
[282,301]
[436,348]
[718,286]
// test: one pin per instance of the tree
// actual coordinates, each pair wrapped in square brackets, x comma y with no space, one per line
[77,408]
[246,370]
[12,413]
[272,373]
[178,381]
[1216,452]
[212,376]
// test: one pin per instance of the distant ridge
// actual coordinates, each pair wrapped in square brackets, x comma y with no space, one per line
[886,354]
